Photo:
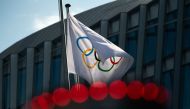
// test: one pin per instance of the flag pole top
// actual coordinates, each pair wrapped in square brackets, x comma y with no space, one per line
[67,5]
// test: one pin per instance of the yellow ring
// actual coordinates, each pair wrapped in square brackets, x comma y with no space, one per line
[84,61]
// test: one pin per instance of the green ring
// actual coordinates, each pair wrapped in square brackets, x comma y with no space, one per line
[103,70]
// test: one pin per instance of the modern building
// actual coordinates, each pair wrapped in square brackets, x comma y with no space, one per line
[155,32]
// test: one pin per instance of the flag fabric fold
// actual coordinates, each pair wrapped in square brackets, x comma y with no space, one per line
[93,57]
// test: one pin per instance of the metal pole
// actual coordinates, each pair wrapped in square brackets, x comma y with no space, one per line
[61,11]
[64,70]
[67,9]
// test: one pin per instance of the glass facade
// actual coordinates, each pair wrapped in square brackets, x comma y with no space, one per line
[185,95]
[186,33]
[150,45]
[171,5]
[185,74]
[131,47]
[169,39]
[152,14]
[152,11]
[167,82]
[131,44]
[133,19]
[6,91]
[96,28]
[21,96]
[171,16]
[55,72]
[113,30]
[21,79]
[114,39]
[38,78]
[38,71]
[56,65]
[187,11]
[6,84]
[114,26]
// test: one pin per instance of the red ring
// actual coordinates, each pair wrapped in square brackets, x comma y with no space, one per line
[115,62]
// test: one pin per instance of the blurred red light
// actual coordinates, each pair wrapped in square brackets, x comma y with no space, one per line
[117,89]
[98,91]
[79,93]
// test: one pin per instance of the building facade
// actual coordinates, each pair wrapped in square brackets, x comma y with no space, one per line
[155,32]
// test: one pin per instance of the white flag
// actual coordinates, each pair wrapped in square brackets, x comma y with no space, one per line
[92,56]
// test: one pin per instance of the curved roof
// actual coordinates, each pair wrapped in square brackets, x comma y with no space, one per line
[89,18]
[109,10]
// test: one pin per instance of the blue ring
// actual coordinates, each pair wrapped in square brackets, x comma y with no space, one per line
[81,49]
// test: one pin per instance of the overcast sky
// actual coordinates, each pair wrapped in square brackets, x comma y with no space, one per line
[20,18]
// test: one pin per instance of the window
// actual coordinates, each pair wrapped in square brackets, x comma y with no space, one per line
[149,79]
[55,72]
[171,10]
[152,14]
[38,71]
[56,65]
[6,83]
[169,39]
[167,82]
[186,57]
[21,96]
[6,91]
[187,1]
[114,26]
[152,11]
[96,28]
[168,64]
[130,76]
[133,20]
[114,39]
[187,11]
[150,45]
[186,33]
[21,81]
[185,98]
[131,44]
[171,5]
[171,16]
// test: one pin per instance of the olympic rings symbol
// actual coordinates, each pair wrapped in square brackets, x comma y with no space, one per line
[89,51]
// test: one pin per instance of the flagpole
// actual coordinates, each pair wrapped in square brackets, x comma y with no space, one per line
[67,11]
[64,70]
[67,6]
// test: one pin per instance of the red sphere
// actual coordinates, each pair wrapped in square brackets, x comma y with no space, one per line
[135,90]
[163,96]
[49,100]
[61,97]
[150,91]
[42,102]
[34,104]
[79,93]
[117,89]
[98,91]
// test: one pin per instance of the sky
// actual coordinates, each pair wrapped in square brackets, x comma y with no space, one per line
[20,18]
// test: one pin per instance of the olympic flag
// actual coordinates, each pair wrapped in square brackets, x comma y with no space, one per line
[93,57]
